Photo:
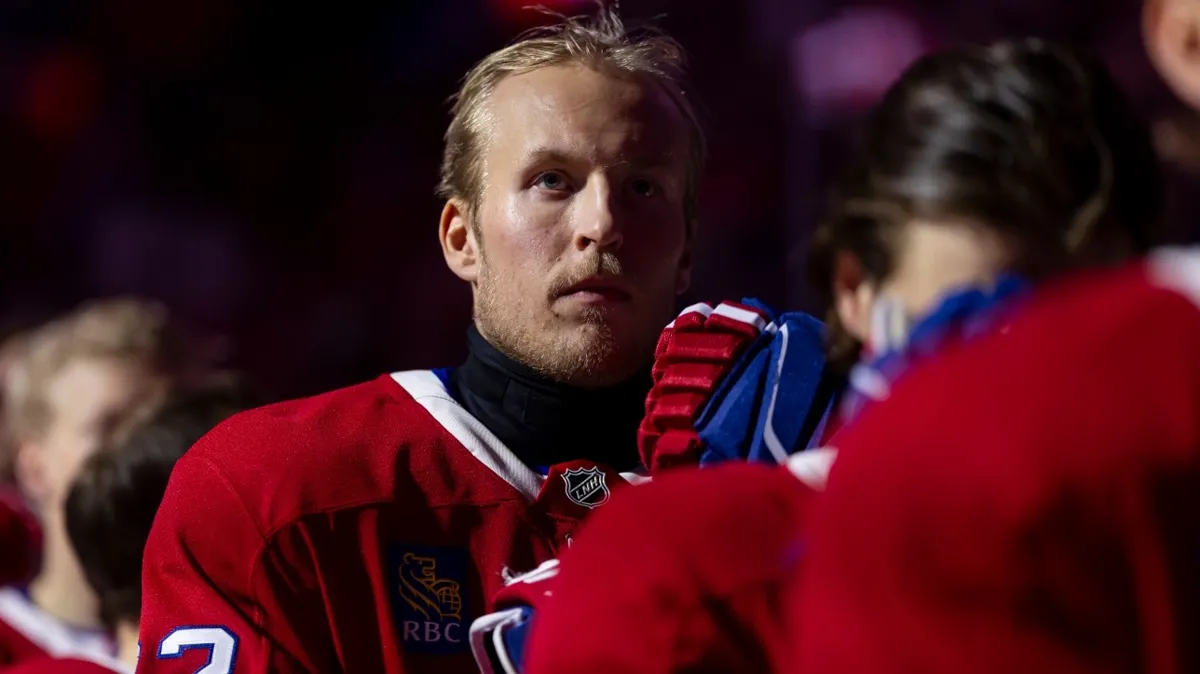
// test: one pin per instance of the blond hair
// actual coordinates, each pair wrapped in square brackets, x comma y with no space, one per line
[123,328]
[11,350]
[601,42]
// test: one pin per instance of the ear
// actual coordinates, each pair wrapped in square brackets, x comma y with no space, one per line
[683,276]
[459,246]
[1172,32]
[853,295]
[31,474]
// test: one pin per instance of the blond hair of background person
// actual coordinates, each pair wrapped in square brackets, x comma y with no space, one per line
[70,380]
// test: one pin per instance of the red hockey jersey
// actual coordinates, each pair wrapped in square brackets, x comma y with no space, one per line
[76,665]
[359,531]
[1029,503]
[696,588]
[28,632]
[20,539]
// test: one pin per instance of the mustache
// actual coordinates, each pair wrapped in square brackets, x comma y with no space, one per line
[604,265]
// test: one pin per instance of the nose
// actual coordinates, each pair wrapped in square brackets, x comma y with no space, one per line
[597,218]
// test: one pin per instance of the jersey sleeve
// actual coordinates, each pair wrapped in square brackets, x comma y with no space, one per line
[49,665]
[205,604]
[20,539]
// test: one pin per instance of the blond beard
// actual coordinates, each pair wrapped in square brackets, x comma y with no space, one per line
[583,357]
[587,356]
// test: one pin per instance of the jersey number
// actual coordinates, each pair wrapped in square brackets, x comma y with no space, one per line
[220,643]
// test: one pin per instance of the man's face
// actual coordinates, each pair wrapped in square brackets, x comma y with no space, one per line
[85,398]
[580,227]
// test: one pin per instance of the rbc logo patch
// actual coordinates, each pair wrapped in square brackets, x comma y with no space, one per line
[427,595]
[586,486]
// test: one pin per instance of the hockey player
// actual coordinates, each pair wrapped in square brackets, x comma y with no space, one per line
[1031,502]
[361,530]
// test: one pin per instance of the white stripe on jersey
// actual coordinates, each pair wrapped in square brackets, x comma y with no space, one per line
[49,633]
[429,392]
[812,466]
[427,389]
[1177,269]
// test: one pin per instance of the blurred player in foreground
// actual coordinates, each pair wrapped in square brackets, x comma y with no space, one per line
[1030,503]
[983,171]
[361,530]
[111,505]
[72,378]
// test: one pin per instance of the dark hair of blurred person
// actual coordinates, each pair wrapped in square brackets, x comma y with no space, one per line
[1021,156]
[111,505]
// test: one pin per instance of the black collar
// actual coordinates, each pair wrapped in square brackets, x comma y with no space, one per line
[546,422]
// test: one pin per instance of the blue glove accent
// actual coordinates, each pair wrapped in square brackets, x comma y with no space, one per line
[516,637]
[773,398]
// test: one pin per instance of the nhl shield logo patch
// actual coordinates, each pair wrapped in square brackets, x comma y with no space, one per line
[587,487]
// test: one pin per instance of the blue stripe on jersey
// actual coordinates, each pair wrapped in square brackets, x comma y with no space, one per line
[818,434]
[443,374]
[516,638]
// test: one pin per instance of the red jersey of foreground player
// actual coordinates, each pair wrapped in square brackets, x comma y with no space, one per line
[698,593]
[1030,503]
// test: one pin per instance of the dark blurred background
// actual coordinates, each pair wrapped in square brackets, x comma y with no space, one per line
[267,168]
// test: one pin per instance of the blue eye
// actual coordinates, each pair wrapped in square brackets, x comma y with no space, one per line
[644,187]
[550,180]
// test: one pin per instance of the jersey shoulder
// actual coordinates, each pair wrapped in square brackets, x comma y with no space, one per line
[1092,387]
[49,665]
[20,538]
[353,447]
[15,645]
[1093,310]
[27,632]
[1120,346]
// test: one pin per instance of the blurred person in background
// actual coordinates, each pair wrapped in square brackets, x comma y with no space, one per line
[1171,30]
[111,505]
[71,379]
[361,530]
[1030,502]
[982,172]
[20,532]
